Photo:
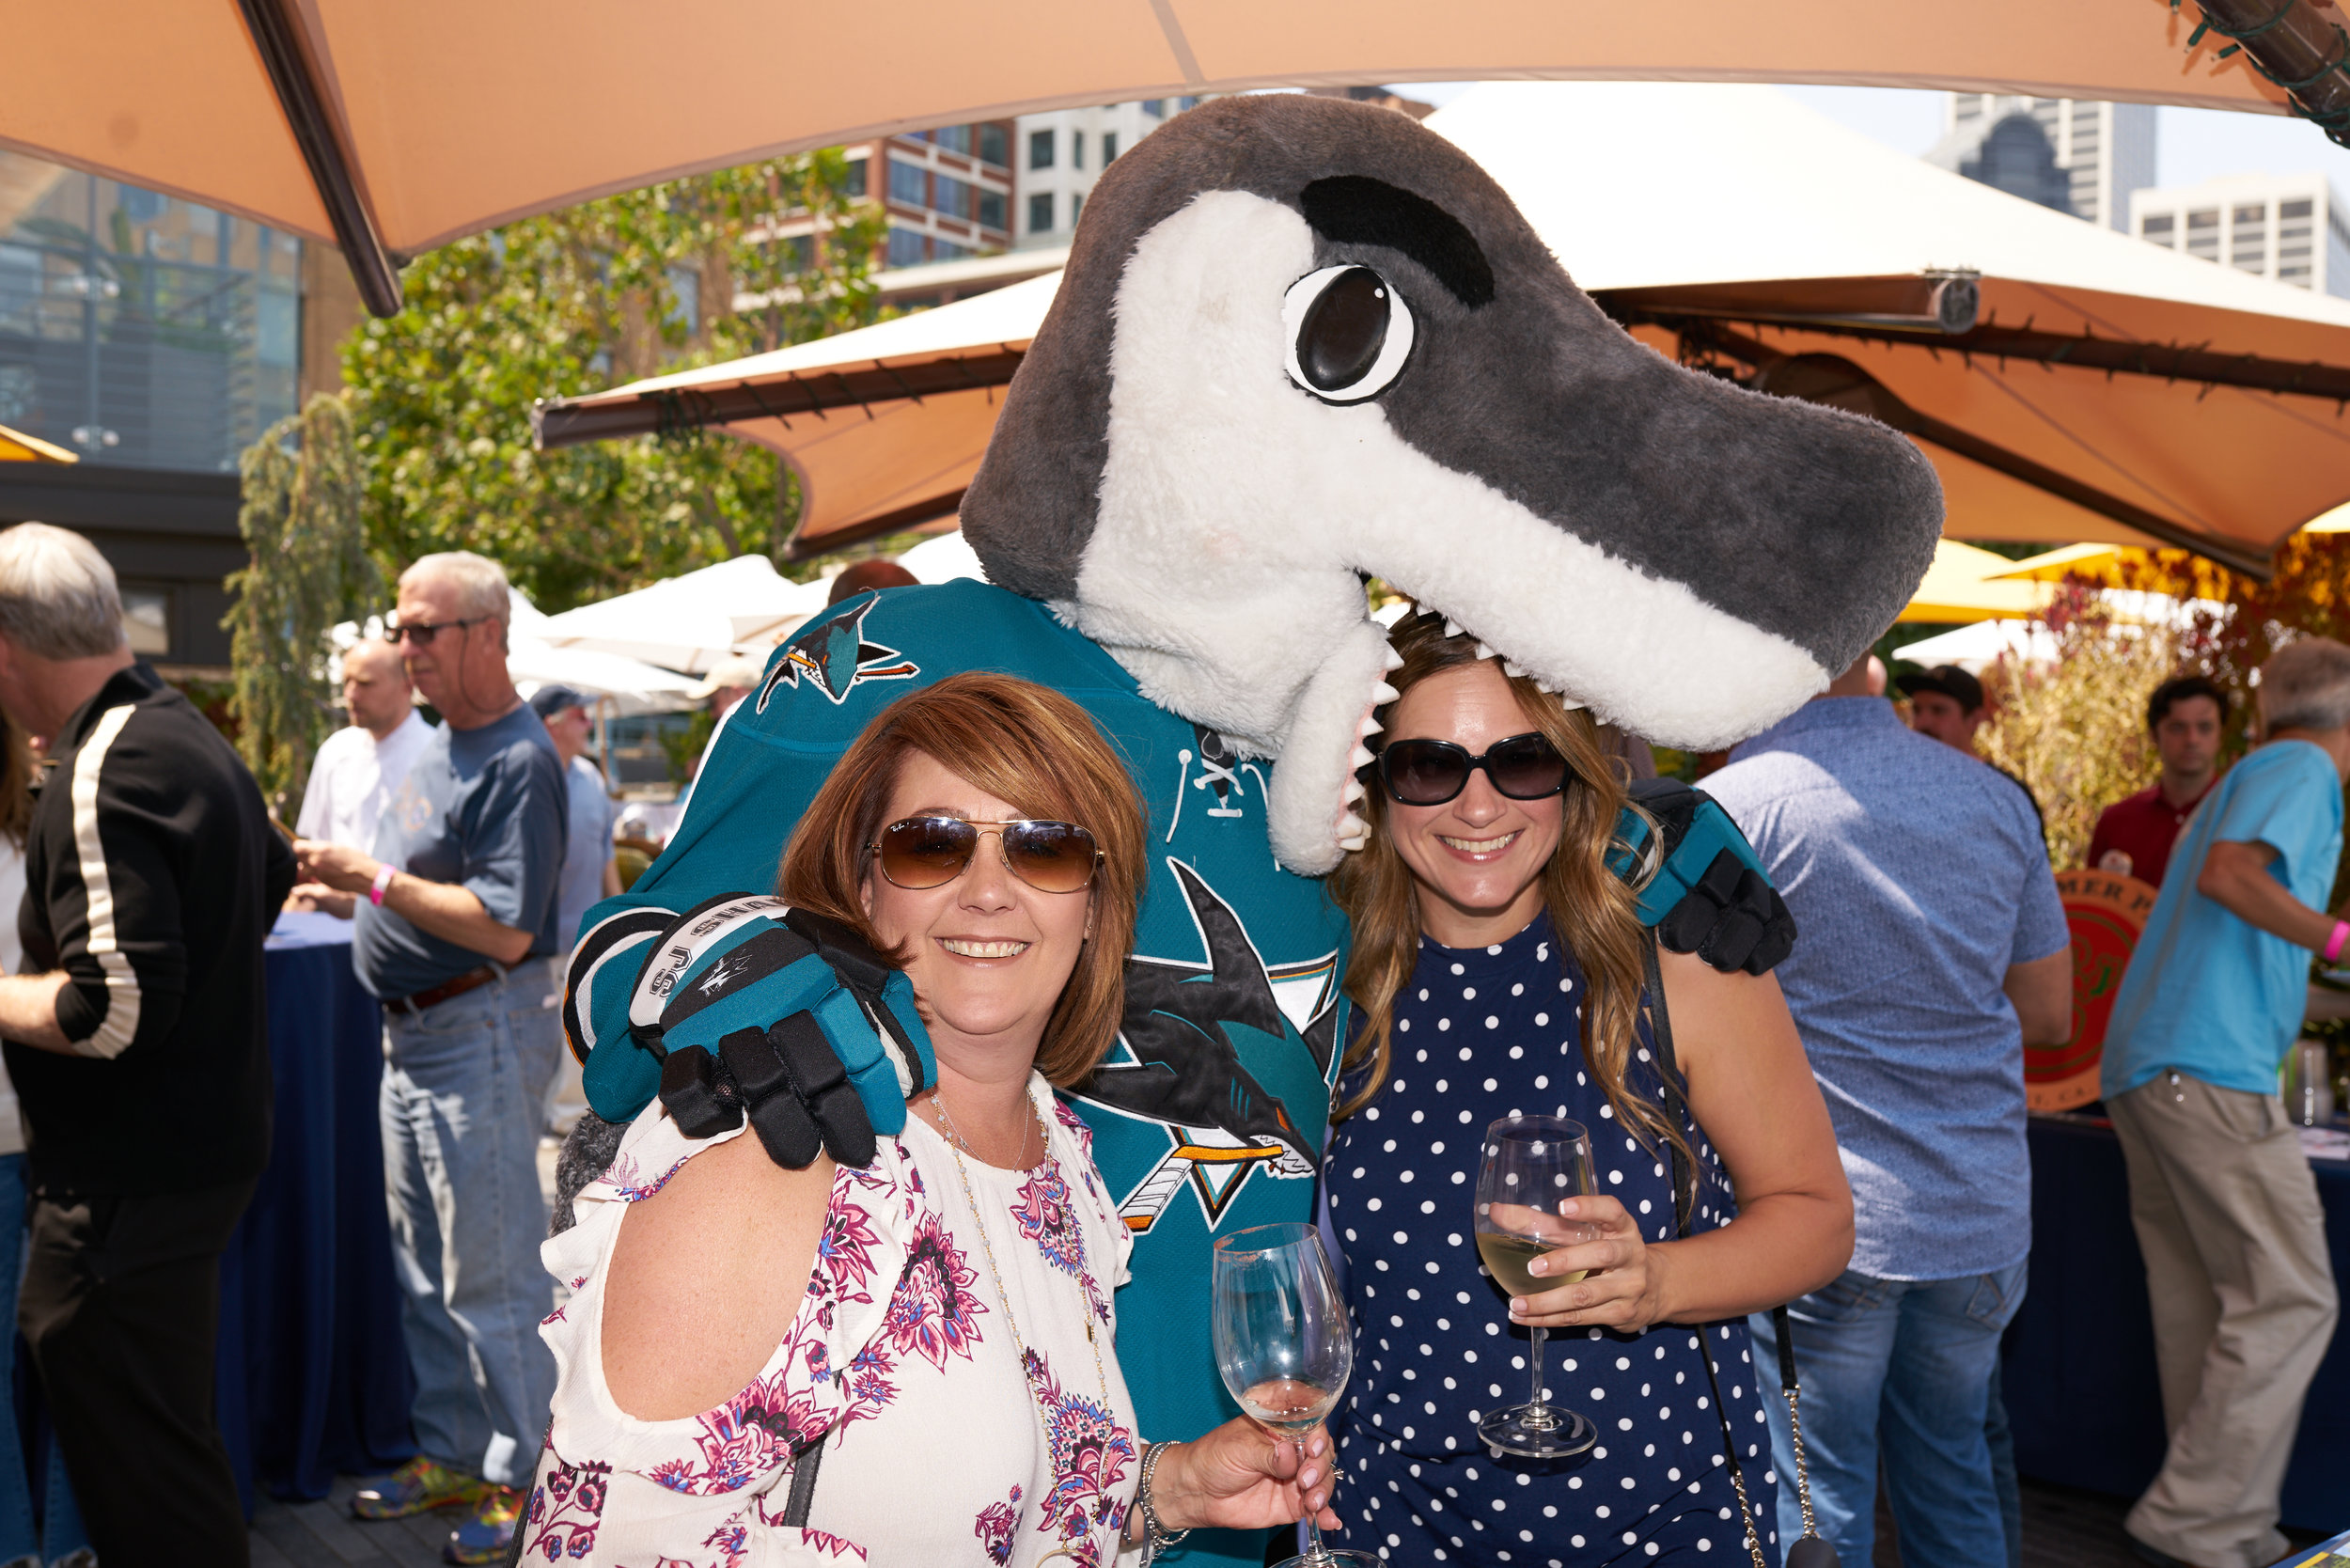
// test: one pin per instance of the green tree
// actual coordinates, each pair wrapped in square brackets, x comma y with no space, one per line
[310,569]
[575,301]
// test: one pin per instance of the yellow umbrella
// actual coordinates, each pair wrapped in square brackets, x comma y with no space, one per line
[1963,584]
[16,446]
[391,129]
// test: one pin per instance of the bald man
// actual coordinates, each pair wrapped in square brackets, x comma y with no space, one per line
[360,768]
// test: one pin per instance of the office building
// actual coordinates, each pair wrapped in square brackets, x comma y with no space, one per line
[2289,228]
[949,192]
[2086,158]
[1064,151]
[156,339]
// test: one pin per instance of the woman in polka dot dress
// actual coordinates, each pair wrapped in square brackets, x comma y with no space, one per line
[1497,971]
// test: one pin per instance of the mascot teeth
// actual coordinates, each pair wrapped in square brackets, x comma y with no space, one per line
[1451,627]
[1383,694]
[1361,757]
[1395,661]
[1510,668]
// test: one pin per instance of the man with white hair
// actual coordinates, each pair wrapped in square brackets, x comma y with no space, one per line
[360,768]
[138,1042]
[2221,1196]
[456,932]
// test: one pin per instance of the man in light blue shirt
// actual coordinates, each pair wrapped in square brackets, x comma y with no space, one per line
[1932,947]
[2221,1196]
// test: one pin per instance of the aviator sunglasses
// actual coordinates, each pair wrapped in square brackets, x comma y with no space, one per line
[1430,773]
[922,853]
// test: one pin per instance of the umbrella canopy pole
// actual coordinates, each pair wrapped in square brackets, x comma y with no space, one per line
[2292,45]
[275,36]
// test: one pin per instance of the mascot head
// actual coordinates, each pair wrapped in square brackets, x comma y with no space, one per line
[1302,340]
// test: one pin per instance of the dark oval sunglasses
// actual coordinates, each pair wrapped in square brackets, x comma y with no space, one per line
[423,632]
[922,853]
[1430,773]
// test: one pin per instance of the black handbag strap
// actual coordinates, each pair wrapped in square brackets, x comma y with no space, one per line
[1684,1180]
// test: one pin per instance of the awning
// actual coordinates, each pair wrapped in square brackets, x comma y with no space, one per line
[391,129]
[2069,383]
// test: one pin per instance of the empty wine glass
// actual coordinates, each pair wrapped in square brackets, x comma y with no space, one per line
[1284,1344]
[1531,1163]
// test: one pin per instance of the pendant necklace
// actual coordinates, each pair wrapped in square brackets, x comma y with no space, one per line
[957,1147]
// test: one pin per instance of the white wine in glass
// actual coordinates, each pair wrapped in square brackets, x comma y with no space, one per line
[1530,1164]
[1285,1345]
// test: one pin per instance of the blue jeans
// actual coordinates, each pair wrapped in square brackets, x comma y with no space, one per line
[462,1088]
[1902,1370]
[60,1530]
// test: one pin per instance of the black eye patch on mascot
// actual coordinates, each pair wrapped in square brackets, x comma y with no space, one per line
[1299,341]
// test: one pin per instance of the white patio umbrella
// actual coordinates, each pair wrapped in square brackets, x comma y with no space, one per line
[689,624]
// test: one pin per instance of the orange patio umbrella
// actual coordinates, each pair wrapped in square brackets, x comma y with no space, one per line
[2068,383]
[391,129]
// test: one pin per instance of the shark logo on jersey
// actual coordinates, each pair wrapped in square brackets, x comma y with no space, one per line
[1186,1031]
[834,657]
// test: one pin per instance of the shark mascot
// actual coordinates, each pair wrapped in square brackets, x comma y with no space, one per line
[1300,341]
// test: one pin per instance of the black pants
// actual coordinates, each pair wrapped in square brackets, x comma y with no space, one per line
[121,1306]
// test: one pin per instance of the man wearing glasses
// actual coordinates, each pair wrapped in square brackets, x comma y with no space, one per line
[456,917]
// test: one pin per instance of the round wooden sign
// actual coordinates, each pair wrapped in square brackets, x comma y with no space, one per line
[2106,913]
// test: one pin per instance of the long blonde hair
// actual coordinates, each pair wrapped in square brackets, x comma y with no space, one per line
[1591,910]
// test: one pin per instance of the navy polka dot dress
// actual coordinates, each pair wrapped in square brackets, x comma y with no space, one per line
[1480,1034]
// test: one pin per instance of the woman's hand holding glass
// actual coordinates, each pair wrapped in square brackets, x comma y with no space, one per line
[1242,1477]
[1600,1273]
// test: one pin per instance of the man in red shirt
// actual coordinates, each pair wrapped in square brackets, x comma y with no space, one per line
[2134,836]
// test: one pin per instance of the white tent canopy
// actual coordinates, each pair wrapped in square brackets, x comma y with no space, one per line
[1728,201]
[690,623]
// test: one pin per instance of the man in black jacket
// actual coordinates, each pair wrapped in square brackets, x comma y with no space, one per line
[139,1046]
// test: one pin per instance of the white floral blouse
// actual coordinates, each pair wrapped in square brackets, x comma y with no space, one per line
[940,1447]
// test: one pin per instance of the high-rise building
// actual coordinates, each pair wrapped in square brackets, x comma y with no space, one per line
[2096,153]
[2289,228]
[1062,153]
[156,339]
[947,192]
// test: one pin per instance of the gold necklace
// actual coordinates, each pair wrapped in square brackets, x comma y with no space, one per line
[1003,1298]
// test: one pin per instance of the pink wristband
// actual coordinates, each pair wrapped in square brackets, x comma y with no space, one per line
[2335,943]
[384,875]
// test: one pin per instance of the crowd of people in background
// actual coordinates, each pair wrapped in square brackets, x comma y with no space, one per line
[468,852]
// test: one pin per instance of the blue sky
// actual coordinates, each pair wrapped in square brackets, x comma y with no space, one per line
[2191,145]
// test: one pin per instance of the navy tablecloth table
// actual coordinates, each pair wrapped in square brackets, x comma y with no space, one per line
[312,1372]
[2079,1365]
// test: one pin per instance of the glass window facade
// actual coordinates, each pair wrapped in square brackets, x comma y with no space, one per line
[857,178]
[1076,149]
[947,250]
[909,183]
[1109,148]
[993,147]
[140,329]
[1039,149]
[906,248]
[950,195]
[1040,212]
[954,138]
[992,210]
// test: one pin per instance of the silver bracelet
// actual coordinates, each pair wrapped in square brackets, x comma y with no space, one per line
[1156,1538]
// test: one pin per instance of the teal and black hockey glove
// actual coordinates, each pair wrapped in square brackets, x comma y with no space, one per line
[1710,896]
[744,1006]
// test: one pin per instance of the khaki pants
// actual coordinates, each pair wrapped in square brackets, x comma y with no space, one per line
[2227,1216]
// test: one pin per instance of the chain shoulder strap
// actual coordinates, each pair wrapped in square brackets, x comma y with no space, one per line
[1810,1551]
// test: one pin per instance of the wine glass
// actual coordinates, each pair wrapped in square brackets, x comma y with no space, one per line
[1284,1344]
[1531,1164]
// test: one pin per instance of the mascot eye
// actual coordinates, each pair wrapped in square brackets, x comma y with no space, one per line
[1349,334]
